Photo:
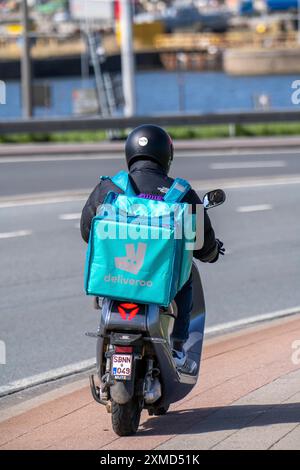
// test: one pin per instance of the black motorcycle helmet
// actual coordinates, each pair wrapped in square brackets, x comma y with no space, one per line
[149,142]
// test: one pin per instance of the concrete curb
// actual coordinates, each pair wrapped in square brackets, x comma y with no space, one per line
[205,145]
[212,334]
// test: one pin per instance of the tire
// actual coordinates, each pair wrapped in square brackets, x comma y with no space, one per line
[126,418]
[158,411]
[161,411]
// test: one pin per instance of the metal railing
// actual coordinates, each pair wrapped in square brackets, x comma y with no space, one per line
[175,120]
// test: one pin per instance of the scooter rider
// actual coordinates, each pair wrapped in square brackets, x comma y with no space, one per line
[149,154]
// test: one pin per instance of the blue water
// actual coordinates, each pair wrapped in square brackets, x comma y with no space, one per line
[159,92]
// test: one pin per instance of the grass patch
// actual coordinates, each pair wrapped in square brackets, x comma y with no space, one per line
[191,132]
[74,136]
[248,130]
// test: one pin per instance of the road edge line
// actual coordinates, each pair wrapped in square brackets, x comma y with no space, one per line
[54,197]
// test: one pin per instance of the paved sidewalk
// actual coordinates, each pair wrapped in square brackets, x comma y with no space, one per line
[248,397]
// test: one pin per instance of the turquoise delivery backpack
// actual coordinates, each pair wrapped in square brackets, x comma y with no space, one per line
[137,247]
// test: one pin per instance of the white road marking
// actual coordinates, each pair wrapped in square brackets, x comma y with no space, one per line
[258,207]
[19,233]
[74,216]
[61,158]
[201,153]
[198,185]
[52,374]
[244,183]
[77,367]
[51,199]
[251,320]
[247,165]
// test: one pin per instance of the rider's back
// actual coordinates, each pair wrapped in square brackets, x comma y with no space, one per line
[148,178]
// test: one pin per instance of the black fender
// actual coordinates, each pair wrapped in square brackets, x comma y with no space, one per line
[122,391]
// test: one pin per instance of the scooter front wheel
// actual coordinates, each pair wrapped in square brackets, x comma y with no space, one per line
[126,418]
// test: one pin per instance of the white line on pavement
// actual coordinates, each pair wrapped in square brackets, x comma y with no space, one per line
[19,233]
[77,367]
[74,216]
[258,207]
[244,183]
[198,185]
[52,374]
[44,200]
[61,158]
[251,320]
[179,154]
[247,165]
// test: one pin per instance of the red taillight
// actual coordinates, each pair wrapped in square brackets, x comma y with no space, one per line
[128,305]
[128,311]
[124,349]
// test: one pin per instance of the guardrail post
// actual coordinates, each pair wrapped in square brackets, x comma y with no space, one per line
[127,55]
[26,64]
[232,130]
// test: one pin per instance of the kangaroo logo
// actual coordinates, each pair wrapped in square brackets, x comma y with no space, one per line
[134,260]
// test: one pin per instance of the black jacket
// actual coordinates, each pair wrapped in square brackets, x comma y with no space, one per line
[149,178]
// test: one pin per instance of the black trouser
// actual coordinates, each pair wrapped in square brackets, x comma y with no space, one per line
[184,302]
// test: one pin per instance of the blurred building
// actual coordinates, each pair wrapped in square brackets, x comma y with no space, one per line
[267,6]
[233,4]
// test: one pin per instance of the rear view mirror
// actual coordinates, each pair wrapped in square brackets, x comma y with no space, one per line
[214,198]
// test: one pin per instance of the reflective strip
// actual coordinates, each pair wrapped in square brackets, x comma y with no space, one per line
[177,191]
[179,187]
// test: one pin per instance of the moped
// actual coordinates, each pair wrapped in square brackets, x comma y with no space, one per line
[135,366]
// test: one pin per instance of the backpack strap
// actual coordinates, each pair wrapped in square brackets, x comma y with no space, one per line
[122,180]
[177,191]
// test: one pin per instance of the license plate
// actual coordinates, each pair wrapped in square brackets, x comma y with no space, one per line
[121,366]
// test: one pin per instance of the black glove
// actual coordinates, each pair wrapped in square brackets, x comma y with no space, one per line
[221,250]
[220,244]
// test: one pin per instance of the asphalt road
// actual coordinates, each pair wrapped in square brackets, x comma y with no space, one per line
[44,312]
[80,172]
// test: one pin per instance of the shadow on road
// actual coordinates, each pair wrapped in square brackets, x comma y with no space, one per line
[204,420]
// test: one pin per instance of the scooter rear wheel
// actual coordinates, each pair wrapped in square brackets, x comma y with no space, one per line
[158,411]
[126,418]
